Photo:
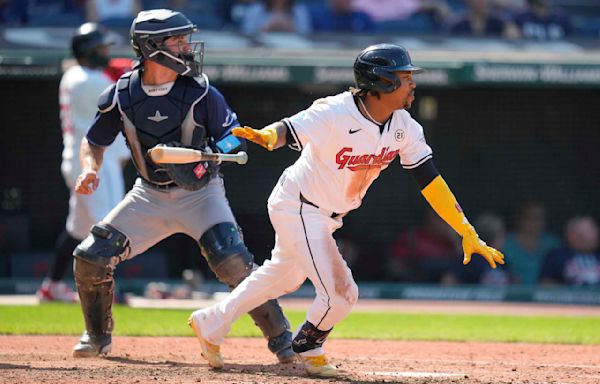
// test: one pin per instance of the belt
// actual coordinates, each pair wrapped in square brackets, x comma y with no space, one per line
[334,215]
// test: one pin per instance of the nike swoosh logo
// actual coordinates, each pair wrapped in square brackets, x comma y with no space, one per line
[351,131]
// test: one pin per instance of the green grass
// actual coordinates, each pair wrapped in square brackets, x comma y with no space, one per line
[66,319]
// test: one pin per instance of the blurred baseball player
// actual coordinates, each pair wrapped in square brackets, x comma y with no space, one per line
[166,99]
[346,141]
[79,89]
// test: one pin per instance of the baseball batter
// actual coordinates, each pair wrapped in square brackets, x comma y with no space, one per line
[79,89]
[165,100]
[346,141]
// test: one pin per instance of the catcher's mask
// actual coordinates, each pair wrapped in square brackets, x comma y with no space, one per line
[86,42]
[376,66]
[149,31]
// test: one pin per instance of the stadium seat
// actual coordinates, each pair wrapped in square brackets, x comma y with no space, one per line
[420,23]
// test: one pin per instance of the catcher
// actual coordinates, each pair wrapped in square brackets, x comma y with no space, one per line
[165,99]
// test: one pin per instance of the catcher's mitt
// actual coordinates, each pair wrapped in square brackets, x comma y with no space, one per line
[191,176]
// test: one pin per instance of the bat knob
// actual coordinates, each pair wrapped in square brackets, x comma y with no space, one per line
[243,158]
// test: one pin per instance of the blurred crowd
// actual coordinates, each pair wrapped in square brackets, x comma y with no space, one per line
[431,252]
[512,19]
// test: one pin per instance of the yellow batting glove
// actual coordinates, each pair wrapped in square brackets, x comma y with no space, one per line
[471,243]
[266,137]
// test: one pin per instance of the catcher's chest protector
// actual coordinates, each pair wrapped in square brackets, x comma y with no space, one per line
[159,119]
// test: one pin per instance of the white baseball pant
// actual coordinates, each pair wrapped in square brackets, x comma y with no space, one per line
[304,248]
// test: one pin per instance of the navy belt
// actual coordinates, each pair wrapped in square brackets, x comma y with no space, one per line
[334,215]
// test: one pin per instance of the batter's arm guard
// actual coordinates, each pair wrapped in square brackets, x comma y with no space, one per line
[271,137]
[444,203]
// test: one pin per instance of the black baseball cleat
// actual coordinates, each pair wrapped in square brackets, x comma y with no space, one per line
[281,346]
[92,346]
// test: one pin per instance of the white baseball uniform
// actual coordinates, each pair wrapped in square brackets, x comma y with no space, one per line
[79,90]
[342,154]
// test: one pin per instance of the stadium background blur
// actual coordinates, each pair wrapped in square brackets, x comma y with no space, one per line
[510,109]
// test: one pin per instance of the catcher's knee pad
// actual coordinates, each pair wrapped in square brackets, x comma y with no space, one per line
[95,260]
[232,262]
[226,253]
[105,246]
[308,337]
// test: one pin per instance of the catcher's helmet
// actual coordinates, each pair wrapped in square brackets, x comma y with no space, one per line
[376,65]
[151,28]
[86,41]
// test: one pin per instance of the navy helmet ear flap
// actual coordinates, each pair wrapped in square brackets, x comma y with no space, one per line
[387,80]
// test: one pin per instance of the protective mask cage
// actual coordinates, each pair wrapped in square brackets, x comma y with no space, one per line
[185,58]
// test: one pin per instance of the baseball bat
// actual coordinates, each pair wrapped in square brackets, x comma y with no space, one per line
[176,155]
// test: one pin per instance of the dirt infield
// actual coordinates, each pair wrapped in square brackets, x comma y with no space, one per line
[47,359]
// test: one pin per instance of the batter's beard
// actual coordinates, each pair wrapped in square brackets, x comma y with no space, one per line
[409,102]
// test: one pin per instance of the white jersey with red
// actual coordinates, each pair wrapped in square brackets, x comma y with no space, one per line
[79,90]
[342,154]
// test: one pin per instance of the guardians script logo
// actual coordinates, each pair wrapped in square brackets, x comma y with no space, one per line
[358,162]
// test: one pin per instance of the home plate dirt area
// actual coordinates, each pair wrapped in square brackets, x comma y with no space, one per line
[47,359]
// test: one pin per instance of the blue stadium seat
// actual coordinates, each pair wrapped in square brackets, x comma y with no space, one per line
[203,13]
[204,21]
[54,13]
[586,27]
[422,23]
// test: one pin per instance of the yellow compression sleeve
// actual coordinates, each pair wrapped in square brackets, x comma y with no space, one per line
[442,200]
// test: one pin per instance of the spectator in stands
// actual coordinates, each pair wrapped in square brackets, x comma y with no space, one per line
[527,246]
[540,22]
[492,230]
[395,10]
[16,12]
[339,16]
[479,21]
[276,16]
[577,262]
[430,253]
[63,13]
[112,13]
[5,11]
[232,12]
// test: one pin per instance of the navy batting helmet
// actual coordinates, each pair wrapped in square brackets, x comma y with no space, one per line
[151,28]
[376,65]
[86,41]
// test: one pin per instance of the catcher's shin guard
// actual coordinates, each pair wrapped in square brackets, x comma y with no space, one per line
[93,268]
[96,287]
[281,346]
[230,260]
